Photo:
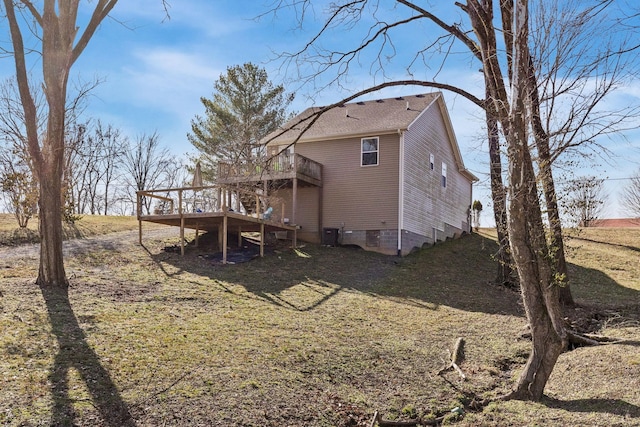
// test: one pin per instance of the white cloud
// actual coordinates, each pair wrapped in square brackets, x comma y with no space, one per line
[210,19]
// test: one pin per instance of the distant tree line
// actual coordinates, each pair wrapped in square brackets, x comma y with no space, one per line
[102,169]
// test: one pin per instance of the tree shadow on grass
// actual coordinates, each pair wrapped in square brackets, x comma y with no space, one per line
[590,286]
[607,406]
[616,245]
[457,273]
[75,353]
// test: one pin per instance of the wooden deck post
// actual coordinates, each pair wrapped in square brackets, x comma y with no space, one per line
[220,236]
[139,214]
[320,213]
[181,222]
[181,235]
[239,236]
[197,233]
[224,238]
[225,207]
[294,208]
[262,239]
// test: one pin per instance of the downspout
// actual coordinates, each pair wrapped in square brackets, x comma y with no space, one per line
[469,220]
[400,192]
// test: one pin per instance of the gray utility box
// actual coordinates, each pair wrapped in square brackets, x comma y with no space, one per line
[330,236]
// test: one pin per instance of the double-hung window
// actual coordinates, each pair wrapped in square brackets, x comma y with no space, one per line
[444,174]
[369,152]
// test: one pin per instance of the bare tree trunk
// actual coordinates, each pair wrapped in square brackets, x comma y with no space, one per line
[540,295]
[57,44]
[505,275]
[51,270]
[59,31]
[556,242]
[525,228]
[527,234]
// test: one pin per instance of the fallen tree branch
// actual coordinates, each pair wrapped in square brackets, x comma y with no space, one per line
[581,340]
[457,357]
[604,340]
[588,340]
[577,339]
[410,423]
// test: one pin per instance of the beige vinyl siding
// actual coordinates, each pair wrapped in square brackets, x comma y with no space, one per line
[357,197]
[427,204]
[307,215]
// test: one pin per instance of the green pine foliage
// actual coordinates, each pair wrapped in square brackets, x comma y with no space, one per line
[246,106]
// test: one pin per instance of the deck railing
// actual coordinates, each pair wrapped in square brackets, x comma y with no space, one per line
[281,166]
[205,199]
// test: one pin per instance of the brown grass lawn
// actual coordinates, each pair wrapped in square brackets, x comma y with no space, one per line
[312,337]
[88,225]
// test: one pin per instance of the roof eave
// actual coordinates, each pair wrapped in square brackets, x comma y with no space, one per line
[281,141]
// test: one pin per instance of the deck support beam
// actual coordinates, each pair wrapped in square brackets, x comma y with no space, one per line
[182,235]
[294,206]
[320,213]
[262,239]
[225,225]
[139,215]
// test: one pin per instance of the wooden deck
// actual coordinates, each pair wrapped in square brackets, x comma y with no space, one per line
[283,167]
[209,209]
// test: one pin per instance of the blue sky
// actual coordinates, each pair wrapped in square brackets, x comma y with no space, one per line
[156,69]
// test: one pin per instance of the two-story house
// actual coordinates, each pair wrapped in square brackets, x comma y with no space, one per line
[386,175]
[392,176]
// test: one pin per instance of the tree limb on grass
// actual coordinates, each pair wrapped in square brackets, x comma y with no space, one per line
[410,423]
[457,357]
[576,339]
[585,340]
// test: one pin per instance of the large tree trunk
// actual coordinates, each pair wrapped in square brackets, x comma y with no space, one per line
[57,46]
[527,233]
[525,228]
[51,271]
[47,161]
[59,32]
[505,275]
[539,294]
[530,252]
[556,241]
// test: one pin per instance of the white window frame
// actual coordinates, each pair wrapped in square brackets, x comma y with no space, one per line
[444,175]
[432,162]
[376,151]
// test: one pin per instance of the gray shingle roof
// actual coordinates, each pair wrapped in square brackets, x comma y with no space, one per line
[358,118]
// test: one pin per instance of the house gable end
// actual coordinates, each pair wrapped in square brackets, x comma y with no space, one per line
[439,103]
